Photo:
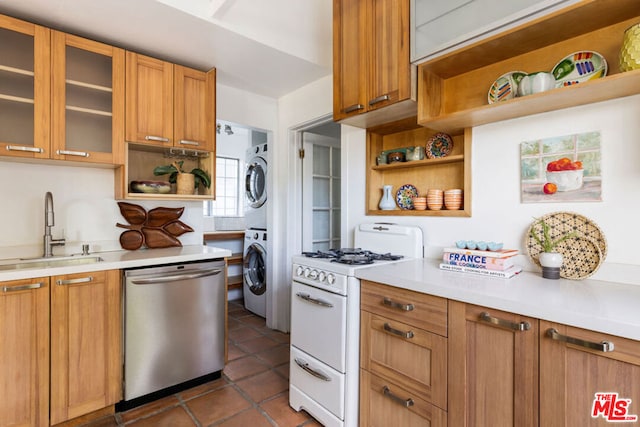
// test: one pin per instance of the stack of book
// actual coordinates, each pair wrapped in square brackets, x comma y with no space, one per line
[489,263]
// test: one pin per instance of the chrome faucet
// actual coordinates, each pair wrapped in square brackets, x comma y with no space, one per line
[49,221]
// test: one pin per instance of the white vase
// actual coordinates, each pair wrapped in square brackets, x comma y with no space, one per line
[551,263]
[386,202]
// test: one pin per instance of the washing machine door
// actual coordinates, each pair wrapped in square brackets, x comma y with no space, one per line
[254,270]
[255,182]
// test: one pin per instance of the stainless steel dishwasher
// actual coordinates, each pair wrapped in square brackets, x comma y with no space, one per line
[173,328]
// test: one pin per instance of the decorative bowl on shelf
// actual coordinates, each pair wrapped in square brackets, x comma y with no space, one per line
[395,157]
[579,67]
[505,87]
[151,187]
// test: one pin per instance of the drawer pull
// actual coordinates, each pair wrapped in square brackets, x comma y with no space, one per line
[404,307]
[404,402]
[187,142]
[403,334]
[6,289]
[379,99]
[319,302]
[515,326]
[156,138]
[75,281]
[354,107]
[603,346]
[305,366]
[23,148]
[72,153]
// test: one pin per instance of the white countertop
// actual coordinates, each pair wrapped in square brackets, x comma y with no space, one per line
[116,260]
[607,307]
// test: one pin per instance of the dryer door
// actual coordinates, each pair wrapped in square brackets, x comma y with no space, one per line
[254,270]
[255,182]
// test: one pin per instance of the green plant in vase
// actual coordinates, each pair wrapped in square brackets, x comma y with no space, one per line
[549,259]
[185,182]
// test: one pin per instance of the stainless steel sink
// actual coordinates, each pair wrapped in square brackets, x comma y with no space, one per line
[47,262]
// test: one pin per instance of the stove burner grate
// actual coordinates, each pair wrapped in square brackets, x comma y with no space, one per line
[353,256]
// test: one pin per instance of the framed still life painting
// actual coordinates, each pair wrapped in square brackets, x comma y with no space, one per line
[561,169]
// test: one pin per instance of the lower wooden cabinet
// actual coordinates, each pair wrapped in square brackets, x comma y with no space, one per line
[579,367]
[86,357]
[403,357]
[24,353]
[493,368]
[384,403]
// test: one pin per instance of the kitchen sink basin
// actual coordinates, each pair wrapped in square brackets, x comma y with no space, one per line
[47,262]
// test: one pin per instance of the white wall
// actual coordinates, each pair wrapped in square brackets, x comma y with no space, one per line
[498,214]
[85,209]
[295,109]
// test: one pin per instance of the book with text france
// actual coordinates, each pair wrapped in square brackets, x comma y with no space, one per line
[477,261]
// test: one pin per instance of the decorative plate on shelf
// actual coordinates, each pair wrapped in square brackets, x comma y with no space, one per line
[583,254]
[579,67]
[505,87]
[405,195]
[439,145]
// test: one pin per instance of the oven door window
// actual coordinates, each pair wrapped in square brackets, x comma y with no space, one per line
[255,182]
[319,324]
[254,269]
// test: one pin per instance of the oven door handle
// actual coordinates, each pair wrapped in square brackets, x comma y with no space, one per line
[305,366]
[319,302]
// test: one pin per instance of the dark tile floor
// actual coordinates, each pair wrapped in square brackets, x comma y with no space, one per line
[253,390]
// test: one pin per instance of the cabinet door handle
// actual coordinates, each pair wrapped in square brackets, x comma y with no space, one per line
[75,281]
[23,148]
[305,366]
[603,346]
[379,99]
[187,142]
[156,138]
[408,334]
[515,326]
[316,301]
[72,153]
[391,303]
[6,289]
[354,107]
[404,402]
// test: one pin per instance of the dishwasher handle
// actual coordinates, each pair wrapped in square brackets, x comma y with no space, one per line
[176,277]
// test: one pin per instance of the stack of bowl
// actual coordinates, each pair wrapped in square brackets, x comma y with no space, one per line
[420,203]
[434,199]
[453,199]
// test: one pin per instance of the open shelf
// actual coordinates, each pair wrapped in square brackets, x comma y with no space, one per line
[453,88]
[452,171]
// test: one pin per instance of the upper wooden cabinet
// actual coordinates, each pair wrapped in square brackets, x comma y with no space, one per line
[88,100]
[371,67]
[452,88]
[24,351]
[169,105]
[25,89]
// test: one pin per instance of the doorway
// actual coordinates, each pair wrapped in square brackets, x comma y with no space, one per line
[321,181]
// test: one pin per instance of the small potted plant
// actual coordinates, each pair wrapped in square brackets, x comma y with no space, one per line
[186,182]
[549,259]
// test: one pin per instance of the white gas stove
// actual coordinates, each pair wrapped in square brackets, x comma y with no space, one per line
[325,319]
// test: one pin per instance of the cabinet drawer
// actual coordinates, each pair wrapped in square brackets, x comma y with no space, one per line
[423,311]
[409,356]
[384,403]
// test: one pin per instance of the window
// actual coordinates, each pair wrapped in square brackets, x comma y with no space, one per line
[227,201]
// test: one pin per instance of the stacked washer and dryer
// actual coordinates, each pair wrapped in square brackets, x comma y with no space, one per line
[255,238]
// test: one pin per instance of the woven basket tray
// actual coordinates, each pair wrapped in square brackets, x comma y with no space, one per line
[582,254]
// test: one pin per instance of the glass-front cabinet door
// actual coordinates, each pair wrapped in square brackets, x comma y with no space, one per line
[25,89]
[88,100]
